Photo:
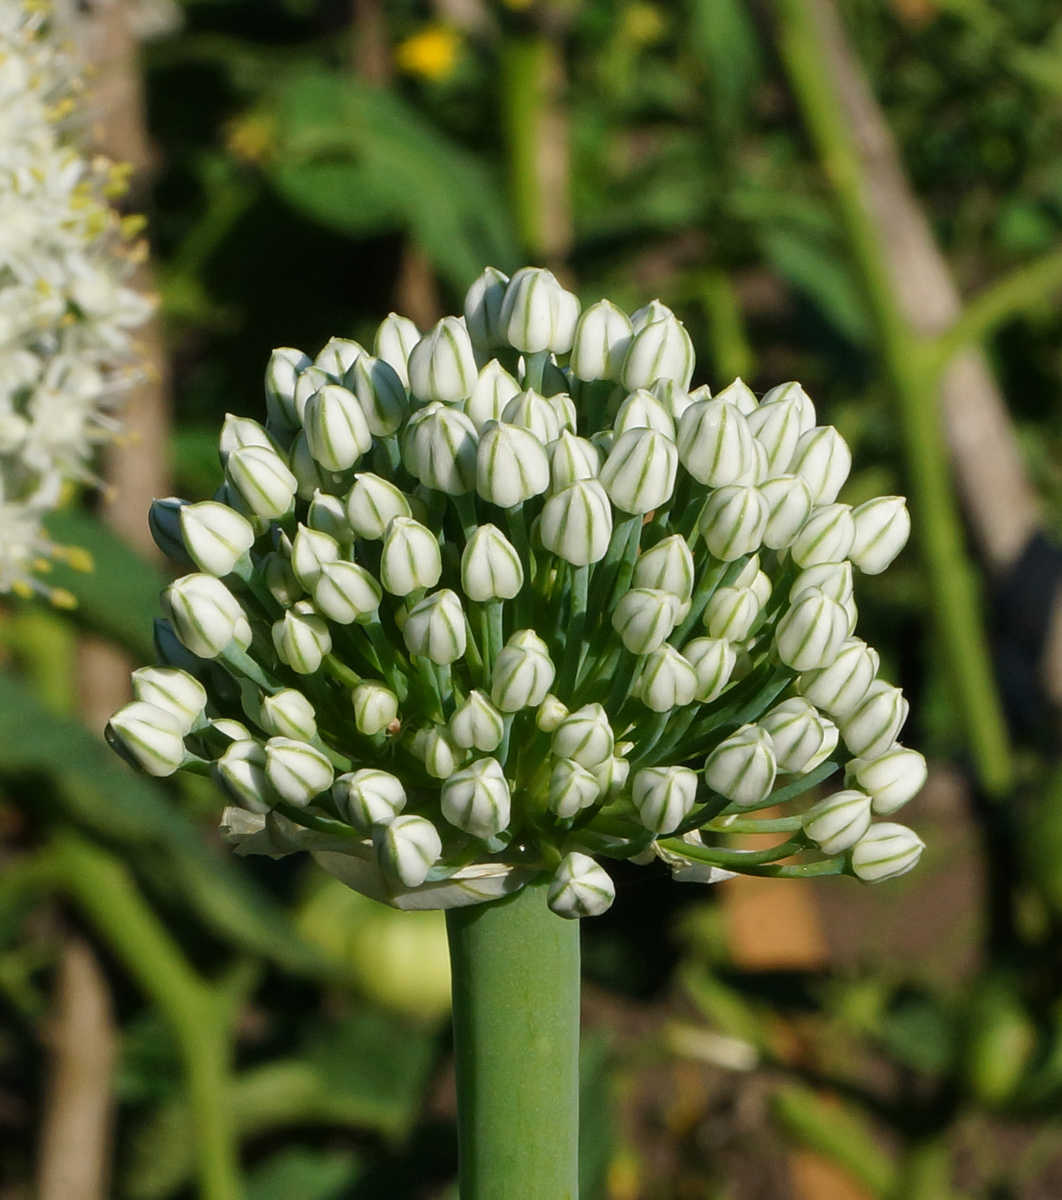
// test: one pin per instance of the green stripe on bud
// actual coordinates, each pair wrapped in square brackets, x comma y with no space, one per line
[664,797]
[477,800]
[580,888]
[838,822]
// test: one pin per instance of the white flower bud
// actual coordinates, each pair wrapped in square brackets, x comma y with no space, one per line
[537,313]
[164,522]
[758,581]
[289,714]
[336,428]
[823,458]
[871,727]
[511,465]
[715,443]
[777,428]
[660,350]
[435,628]
[327,514]
[571,459]
[731,612]
[203,612]
[757,472]
[282,373]
[369,797]
[523,673]
[490,566]
[825,537]
[831,737]
[238,432]
[891,779]
[676,399]
[310,551]
[380,393]
[797,733]
[602,336]
[408,847]
[885,851]
[394,343]
[576,523]
[298,772]
[280,579]
[440,754]
[644,619]
[338,355]
[837,822]
[440,446]
[668,566]
[375,707]
[494,388]
[241,773]
[664,796]
[237,827]
[882,527]
[838,688]
[441,365]
[181,695]
[309,382]
[411,558]
[310,476]
[483,305]
[260,478]
[667,680]
[835,579]
[742,768]
[585,736]
[572,787]
[533,412]
[734,520]
[477,724]
[740,395]
[639,473]
[550,714]
[655,310]
[564,406]
[235,731]
[713,659]
[642,410]
[611,775]
[789,506]
[786,392]
[580,888]
[301,639]
[148,737]
[812,632]
[345,592]
[372,503]
[476,799]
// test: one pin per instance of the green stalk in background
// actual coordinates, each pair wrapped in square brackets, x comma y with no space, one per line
[516,1038]
[913,372]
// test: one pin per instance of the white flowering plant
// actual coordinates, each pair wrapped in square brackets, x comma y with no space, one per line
[495,602]
[66,311]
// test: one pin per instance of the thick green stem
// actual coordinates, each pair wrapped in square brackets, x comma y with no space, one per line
[516,1038]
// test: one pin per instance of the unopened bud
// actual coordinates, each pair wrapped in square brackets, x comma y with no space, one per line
[882,527]
[834,579]
[310,476]
[375,707]
[338,355]
[550,714]
[713,659]
[731,612]
[301,639]
[440,449]
[572,787]
[476,799]
[571,459]
[872,726]
[797,733]
[584,736]
[837,822]
[203,612]
[181,695]
[660,350]
[523,672]
[327,514]
[885,851]
[777,428]
[664,796]
[369,797]
[611,775]
[477,724]
[442,366]
[490,566]
[740,395]
[380,393]
[411,557]
[715,443]
[667,680]
[394,342]
[838,688]
[310,551]
[642,410]
[788,506]
[537,313]
[483,306]
[811,633]
[742,768]
[440,754]
[435,628]
[280,579]
[408,847]
[164,522]
[345,592]
[511,465]
[668,566]
[282,373]
[676,399]
[262,480]
[580,888]
[639,473]
[148,737]
[372,503]
[602,337]
[534,413]
[298,772]
[493,390]
[823,458]
[734,520]
[238,432]
[576,523]
[825,537]
[644,619]
[793,392]
[289,714]
[891,779]
[241,772]
[308,384]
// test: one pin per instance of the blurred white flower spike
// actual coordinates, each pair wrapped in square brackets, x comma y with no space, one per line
[67,314]
[529,620]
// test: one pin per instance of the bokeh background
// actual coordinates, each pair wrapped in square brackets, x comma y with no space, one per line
[822,190]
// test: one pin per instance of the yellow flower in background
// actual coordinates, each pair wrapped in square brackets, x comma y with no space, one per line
[644,24]
[431,54]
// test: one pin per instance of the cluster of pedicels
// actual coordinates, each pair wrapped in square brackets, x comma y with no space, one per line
[65,310]
[506,598]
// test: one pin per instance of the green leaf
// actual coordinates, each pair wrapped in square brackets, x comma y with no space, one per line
[723,37]
[298,1173]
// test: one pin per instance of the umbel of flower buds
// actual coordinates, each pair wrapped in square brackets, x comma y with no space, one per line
[502,600]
